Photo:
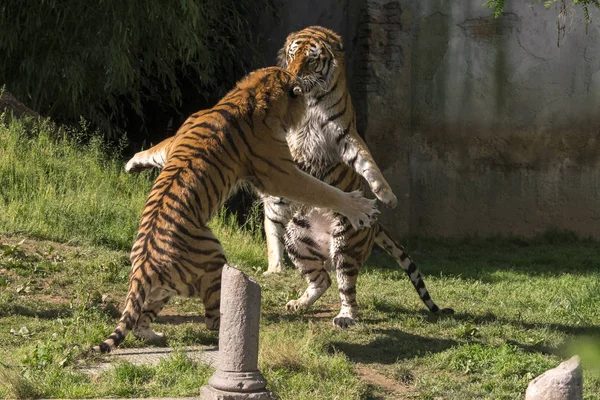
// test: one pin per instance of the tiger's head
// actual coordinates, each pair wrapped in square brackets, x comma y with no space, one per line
[315,55]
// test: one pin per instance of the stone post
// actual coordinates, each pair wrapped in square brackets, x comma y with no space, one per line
[237,376]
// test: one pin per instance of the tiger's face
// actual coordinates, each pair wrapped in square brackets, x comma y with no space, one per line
[312,55]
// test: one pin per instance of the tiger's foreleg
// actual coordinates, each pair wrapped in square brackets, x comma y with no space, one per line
[355,153]
[307,243]
[277,215]
[291,183]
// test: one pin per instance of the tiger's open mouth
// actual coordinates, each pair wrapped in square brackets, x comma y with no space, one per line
[312,84]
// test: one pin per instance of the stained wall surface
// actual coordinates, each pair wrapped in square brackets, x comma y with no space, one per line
[482,126]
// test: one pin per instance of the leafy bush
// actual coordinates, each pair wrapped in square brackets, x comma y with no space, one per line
[498,6]
[107,59]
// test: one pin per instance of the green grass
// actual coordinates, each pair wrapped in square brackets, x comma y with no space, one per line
[521,306]
[54,187]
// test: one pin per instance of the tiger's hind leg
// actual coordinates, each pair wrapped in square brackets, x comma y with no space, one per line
[277,215]
[349,249]
[307,243]
[150,311]
[210,292]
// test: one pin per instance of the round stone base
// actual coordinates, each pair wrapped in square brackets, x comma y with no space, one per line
[210,393]
[251,381]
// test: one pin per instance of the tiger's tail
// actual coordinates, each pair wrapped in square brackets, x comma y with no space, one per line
[384,240]
[138,290]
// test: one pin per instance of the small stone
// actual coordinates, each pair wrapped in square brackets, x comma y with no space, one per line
[564,382]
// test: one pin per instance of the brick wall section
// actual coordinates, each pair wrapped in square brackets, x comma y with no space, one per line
[379,70]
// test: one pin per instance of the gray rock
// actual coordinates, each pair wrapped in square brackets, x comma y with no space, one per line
[564,382]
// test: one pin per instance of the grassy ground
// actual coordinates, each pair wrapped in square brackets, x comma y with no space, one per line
[68,216]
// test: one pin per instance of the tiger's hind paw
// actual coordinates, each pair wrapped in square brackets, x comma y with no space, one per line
[149,335]
[346,318]
[343,322]
[295,305]
[212,324]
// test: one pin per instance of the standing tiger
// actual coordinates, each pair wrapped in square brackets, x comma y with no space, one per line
[241,138]
[326,145]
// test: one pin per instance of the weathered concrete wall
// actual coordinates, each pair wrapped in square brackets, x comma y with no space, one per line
[481,125]
[505,124]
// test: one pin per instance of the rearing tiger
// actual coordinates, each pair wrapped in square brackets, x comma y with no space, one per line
[326,145]
[241,138]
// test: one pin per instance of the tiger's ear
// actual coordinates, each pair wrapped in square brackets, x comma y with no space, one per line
[327,47]
[282,61]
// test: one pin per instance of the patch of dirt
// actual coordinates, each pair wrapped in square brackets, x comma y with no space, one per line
[36,246]
[51,299]
[10,274]
[392,388]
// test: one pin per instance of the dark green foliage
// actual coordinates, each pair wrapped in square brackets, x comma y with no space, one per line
[107,59]
[498,6]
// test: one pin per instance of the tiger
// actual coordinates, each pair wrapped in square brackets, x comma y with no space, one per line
[326,145]
[241,139]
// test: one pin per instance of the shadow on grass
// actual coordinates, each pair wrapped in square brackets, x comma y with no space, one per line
[480,259]
[50,312]
[580,330]
[179,319]
[390,346]
[393,312]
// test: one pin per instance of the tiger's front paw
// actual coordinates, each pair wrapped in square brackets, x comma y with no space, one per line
[132,166]
[360,211]
[384,193]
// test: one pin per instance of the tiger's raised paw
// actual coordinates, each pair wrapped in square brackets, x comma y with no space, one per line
[360,211]
[384,193]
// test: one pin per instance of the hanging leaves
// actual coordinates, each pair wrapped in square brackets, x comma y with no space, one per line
[91,58]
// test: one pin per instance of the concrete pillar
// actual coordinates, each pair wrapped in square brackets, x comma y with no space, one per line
[237,376]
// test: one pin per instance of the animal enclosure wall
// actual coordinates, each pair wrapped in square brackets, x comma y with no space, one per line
[482,126]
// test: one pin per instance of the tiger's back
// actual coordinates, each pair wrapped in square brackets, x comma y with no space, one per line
[241,138]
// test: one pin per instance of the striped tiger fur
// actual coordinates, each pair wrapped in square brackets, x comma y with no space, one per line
[327,146]
[242,138]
